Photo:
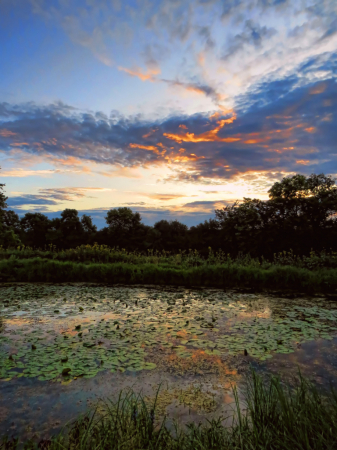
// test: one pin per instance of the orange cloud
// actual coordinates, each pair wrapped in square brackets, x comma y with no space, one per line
[194,89]
[137,72]
[144,147]
[327,118]
[20,173]
[149,133]
[216,115]
[71,161]
[303,162]
[164,197]
[18,144]
[7,133]
[183,126]
[208,136]
[319,89]
[186,158]
[310,130]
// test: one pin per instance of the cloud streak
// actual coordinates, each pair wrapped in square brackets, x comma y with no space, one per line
[53,196]
[284,125]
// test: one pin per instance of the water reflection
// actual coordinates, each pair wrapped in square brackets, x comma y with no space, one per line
[199,344]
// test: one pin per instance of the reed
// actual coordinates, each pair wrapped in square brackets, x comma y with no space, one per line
[274,418]
[215,275]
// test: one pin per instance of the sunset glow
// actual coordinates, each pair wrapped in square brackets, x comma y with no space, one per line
[171,108]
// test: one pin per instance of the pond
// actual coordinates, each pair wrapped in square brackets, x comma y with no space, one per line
[64,348]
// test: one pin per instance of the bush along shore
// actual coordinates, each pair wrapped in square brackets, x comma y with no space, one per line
[271,417]
[211,275]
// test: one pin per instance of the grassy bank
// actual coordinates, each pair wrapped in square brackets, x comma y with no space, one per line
[212,275]
[105,254]
[275,419]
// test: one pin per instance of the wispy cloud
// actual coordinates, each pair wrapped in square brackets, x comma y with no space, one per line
[53,196]
[164,197]
[148,75]
[276,126]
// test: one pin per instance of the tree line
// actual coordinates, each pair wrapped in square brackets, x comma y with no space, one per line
[300,215]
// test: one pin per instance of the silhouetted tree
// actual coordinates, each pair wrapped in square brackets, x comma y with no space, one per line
[173,235]
[8,236]
[205,235]
[54,234]
[34,227]
[300,215]
[71,228]
[3,198]
[89,229]
[11,220]
[125,229]
[122,220]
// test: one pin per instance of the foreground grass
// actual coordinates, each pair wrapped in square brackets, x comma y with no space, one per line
[215,275]
[275,418]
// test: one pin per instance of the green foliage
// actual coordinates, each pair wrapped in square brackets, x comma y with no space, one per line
[8,238]
[122,220]
[8,223]
[300,213]
[216,275]
[275,418]
[35,227]
[3,198]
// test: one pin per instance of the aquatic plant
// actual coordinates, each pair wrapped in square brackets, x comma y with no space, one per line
[271,416]
[135,329]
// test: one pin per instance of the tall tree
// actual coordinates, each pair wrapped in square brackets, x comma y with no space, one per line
[8,236]
[3,197]
[122,219]
[71,228]
[89,229]
[173,235]
[300,215]
[11,220]
[124,228]
[34,227]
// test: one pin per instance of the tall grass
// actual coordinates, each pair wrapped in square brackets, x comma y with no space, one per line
[216,275]
[104,254]
[274,418]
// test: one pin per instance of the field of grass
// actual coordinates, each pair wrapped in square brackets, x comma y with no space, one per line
[314,273]
[104,254]
[212,275]
[274,418]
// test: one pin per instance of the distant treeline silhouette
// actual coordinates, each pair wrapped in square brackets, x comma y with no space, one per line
[300,215]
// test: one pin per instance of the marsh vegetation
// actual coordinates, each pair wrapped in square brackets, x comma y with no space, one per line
[67,350]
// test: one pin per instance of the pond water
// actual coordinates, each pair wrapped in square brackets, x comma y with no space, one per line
[63,348]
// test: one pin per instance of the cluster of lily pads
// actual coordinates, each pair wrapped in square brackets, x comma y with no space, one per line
[68,331]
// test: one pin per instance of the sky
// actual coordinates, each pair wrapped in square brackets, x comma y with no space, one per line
[173,108]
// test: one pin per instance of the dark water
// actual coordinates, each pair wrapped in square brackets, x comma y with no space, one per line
[65,348]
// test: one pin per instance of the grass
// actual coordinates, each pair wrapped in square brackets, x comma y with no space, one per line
[100,263]
[275,418]
[212,275]
[104,254]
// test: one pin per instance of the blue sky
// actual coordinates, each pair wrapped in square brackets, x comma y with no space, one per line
[173,108]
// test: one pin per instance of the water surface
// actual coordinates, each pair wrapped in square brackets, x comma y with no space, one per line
[65,347]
